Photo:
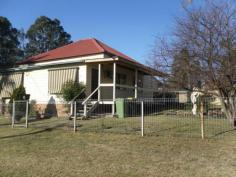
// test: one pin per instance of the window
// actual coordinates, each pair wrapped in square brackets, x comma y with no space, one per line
[57,77]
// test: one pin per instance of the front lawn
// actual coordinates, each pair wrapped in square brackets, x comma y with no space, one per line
[50,148]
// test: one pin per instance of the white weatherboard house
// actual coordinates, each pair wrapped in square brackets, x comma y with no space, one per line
[107,74]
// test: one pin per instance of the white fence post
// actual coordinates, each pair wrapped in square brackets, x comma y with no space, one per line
[71,108]
[202,120]
[75,116]
[1,107]
[142,119]
[13,114]
[27,114]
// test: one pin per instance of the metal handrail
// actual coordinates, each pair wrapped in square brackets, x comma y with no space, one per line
[77,95]
[85,101]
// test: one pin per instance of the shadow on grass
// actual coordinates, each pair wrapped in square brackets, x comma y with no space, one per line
[47,129]
[224,132]
[43,121]
[172,128]
[1,125]
[39,121]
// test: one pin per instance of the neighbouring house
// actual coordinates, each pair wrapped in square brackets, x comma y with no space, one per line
[107,74]
[183,96]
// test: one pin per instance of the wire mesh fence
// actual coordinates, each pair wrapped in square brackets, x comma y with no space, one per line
[102,120]
[170,118]
[161,117]
[23,113]
[153,117]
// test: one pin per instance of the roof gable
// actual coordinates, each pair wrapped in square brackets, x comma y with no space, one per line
[110,50]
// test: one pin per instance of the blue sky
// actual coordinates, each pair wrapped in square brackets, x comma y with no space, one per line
[127,25]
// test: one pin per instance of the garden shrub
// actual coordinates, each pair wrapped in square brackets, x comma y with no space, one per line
[71,89]
[18,94]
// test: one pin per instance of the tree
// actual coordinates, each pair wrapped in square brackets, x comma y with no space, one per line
[183,77]
[208,32]
[45,34]
[9,43]
[23,41]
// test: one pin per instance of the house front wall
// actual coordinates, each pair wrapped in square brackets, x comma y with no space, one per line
[36,83]
[36,80]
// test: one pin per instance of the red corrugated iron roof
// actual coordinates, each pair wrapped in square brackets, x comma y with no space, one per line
[76,49]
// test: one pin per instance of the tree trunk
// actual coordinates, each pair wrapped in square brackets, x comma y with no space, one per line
[229,108]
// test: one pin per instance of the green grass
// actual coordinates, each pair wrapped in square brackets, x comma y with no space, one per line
[164,125]
[50,148]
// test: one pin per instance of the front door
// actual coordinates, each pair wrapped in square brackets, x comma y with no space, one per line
[94,83]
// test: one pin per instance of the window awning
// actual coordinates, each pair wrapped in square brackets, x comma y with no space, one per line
[8,82]
[57,77]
